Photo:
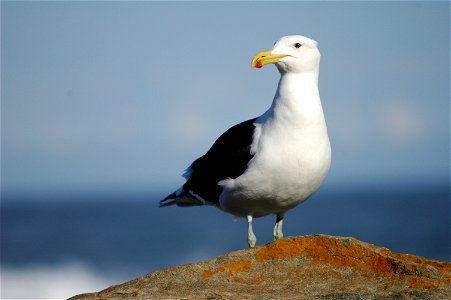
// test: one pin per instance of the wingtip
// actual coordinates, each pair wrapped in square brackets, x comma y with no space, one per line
[168,201]
[164,204]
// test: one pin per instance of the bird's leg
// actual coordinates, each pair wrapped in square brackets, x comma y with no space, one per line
[277,232]
[251,239]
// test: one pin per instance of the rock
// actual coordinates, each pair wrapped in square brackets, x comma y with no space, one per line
[310,267]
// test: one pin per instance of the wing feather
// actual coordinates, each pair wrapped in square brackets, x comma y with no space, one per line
[228,157]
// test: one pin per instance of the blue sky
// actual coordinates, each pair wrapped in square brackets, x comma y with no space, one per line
[121,97]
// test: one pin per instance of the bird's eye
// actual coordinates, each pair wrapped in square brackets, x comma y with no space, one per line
[297,45]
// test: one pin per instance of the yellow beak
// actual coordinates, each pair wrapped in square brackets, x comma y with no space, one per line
[266,57]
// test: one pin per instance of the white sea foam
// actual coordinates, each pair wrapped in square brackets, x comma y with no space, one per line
[52,282]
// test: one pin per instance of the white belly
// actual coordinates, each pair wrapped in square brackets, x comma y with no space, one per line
[287,168]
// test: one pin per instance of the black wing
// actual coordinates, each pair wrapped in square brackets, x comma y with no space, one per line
[227,158]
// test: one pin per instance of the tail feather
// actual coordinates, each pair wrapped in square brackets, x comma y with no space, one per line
[183,198]
[169,200]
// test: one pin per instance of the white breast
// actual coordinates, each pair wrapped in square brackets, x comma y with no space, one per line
[291,156]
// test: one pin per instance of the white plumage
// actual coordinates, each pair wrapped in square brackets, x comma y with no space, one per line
[288,151]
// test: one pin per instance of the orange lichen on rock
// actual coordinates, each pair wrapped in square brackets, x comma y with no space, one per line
[322,249]
[310,267]
[444,268]
[354,254]
[423,283]
[239,265]
[280,249]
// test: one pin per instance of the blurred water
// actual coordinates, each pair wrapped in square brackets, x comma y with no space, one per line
[125,238]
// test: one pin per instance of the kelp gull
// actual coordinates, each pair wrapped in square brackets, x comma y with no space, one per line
[274,162]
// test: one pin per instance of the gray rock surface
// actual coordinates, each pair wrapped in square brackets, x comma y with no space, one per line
[309,267]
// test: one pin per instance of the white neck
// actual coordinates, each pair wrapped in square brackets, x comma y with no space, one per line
[297,99]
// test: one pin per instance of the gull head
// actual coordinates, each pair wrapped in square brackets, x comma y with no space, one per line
[291,54]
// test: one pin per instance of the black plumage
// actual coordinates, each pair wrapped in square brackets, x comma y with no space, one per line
[227,158]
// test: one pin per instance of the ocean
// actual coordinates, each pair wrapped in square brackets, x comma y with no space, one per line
[76,244]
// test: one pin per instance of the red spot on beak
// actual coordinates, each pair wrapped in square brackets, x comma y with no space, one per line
[258,64]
